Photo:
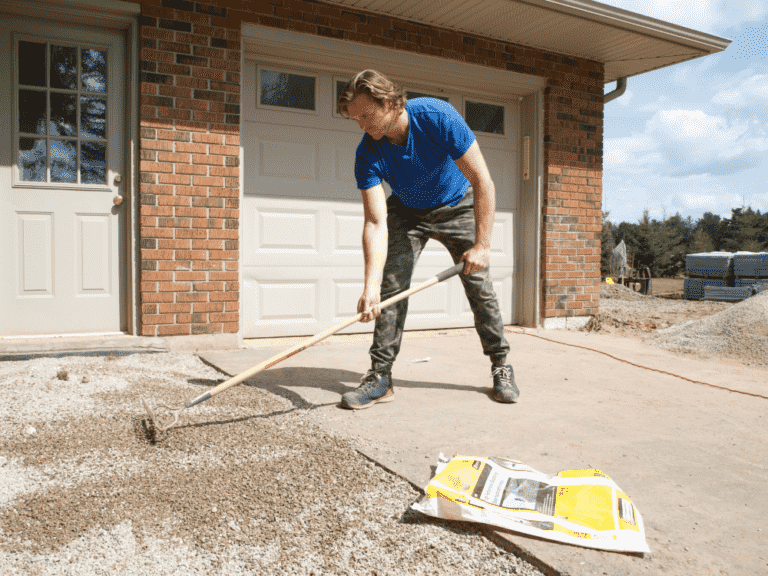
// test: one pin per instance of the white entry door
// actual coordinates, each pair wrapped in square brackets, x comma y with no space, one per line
[61,228]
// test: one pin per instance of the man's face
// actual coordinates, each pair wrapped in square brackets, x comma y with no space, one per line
[375,119]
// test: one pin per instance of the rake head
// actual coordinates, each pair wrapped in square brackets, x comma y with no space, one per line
[154,427]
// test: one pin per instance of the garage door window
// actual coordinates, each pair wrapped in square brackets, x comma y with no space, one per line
[286,91]
[61,121]
[483,117]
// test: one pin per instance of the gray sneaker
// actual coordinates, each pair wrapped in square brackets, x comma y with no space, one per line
[504,388]
[374,387]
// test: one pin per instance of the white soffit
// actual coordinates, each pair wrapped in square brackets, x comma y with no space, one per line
[626,42]
[291,49]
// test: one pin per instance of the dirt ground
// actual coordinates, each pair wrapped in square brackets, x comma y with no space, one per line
[627,312]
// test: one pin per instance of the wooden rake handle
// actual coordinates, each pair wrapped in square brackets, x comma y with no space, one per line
[235,380]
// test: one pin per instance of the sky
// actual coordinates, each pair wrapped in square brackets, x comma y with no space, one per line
[693,137]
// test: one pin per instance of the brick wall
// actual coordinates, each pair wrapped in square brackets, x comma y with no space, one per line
[189,137]
[189,172]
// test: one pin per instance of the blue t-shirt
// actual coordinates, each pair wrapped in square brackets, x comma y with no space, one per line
[423,173]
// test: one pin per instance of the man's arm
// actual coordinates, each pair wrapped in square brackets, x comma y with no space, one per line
[472,165]
[375,240]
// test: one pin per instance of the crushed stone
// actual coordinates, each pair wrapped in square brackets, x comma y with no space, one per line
[250,484]
[740,331]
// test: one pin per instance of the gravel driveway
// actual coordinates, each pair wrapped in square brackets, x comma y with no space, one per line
[251,484]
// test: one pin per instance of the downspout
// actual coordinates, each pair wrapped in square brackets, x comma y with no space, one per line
[621,87]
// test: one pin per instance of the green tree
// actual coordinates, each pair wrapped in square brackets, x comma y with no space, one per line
[744,231]
[669,243]
[713,227]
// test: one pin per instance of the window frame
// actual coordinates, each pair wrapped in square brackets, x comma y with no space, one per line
[503,105]
[16,181]
[335,78]
[428,94]
[284,70]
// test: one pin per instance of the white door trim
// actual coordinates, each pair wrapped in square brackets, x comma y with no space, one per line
[281,46]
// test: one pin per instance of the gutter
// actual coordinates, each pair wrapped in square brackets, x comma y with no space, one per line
[621,87]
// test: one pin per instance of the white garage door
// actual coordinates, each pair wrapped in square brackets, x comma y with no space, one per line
[303,217]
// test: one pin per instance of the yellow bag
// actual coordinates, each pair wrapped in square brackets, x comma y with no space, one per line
[581,507]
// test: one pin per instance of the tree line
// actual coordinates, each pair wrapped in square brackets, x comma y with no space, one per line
[662,245]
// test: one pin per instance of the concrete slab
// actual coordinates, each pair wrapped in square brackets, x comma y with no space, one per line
[693,458]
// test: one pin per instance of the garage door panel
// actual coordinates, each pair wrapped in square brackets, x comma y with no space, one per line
[345,164]
[288,231]
[348,227]
[288,160]
[303,221]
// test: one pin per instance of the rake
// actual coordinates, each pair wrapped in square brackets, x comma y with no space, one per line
[156,426]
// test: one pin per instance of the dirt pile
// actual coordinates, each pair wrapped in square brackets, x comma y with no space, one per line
[628,313]
[704,328]
[739,332]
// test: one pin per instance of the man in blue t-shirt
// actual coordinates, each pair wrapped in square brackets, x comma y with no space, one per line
[441,189]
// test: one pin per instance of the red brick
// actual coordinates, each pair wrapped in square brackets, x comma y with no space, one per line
[167,244]
[157,297]
[208,159]
[175,308]
[209,138]
[174,330]
[174,179]
[174,287]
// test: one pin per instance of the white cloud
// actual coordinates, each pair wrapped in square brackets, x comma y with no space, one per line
[680,142]
[750,92]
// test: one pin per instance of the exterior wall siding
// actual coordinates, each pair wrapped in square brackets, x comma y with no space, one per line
[190,88]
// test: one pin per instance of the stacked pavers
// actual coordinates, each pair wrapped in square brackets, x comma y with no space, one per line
[724,275]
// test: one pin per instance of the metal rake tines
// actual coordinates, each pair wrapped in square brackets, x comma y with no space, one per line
[155,422]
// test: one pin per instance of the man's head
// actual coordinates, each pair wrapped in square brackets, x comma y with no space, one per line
[373,101]
[376,86]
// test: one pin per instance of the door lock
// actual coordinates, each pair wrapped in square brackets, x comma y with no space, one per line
[118,179]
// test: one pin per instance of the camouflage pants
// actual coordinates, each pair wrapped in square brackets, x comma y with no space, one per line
[409,229]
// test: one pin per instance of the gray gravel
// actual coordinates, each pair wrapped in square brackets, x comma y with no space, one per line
[706,329]
[251,485]
[740,331]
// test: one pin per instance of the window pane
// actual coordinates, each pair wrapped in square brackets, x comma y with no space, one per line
[93,163]
[485,117]
[31,63]
[64,67]
[93,117]
[32,111]
[63,161]
[63,114]
[410,94]
[94,63]
[340,85]
[32,159]
[287,90]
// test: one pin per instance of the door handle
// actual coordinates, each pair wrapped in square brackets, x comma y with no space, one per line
[117,200]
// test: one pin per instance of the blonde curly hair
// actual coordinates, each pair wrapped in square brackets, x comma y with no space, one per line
[376,86]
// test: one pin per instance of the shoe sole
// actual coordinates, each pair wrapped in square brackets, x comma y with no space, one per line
[388,397]
[501,400]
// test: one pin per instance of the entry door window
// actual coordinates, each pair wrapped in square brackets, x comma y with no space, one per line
[61,114]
